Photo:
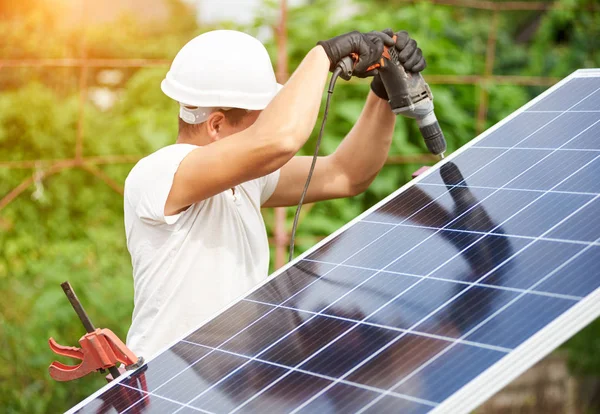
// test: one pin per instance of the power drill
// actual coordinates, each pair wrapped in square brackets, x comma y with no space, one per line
[408,93]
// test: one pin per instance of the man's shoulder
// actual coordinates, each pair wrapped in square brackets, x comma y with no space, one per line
[153,164]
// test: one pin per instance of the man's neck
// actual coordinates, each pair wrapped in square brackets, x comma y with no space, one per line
[197,139]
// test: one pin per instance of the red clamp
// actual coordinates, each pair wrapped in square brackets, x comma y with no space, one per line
[100,349]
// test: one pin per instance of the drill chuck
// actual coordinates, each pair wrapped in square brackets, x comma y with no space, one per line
[434,138]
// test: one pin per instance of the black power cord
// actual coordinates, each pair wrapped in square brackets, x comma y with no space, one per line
[337,72]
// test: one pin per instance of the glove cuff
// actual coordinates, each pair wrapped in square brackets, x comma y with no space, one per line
[325,45]
[378,88]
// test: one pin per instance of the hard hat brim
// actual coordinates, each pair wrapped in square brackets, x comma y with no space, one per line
[216,99]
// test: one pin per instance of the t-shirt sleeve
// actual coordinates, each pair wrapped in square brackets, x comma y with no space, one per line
[268,185]
[151,182]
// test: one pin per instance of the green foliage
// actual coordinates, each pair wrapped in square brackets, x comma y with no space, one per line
[69,224]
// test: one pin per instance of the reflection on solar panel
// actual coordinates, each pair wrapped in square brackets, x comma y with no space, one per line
[429,302]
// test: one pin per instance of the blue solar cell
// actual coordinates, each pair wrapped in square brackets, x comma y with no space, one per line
[560,130]
[484,260]
[349,350]
[228,324]
[120,398]
[327,289]
[578,277]
[444,246]
[308,338]
[585,180]
[544,213]
[517,322]
[168,365]
[372,294]
[568,95]
[398,360]
[583,225]
[553,170]
[350,242]
[517,129]
[591,103]
[468,164]
[394,405]
[389,247]
[443,376]
[240,386]
[527,266]
[409,203]
[586,140]
[264,332]
[487,213]
[199,377]
[507,167]
[341,398]
[289,392]
[290,282]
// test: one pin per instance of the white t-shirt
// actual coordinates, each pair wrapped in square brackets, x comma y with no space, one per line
[189,266]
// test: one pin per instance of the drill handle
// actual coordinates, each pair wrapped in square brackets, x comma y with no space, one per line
[395,80]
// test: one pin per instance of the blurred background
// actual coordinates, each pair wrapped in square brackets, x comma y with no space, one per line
[80,103]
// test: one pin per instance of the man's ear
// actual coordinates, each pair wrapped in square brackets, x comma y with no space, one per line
[214,123]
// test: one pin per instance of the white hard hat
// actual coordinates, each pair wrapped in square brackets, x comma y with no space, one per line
[221,69]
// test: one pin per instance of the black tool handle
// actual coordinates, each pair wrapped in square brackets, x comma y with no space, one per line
[85,319]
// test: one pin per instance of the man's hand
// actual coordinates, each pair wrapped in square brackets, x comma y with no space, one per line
[368,47]
[410,56]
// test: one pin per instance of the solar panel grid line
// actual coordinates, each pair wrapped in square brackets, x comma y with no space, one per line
[528,190]
[489,318]
[316,374]
[541,148]
[462,282]
[590,111]
[163,398]
[138,404]
[516,236]
[391,328]
[529,352]
[418,180]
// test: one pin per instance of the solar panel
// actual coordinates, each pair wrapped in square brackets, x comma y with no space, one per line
[429,302]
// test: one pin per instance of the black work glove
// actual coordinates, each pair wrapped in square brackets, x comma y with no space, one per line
[368,47]
[410,56]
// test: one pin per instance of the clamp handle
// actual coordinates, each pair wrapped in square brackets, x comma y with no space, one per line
[101,349]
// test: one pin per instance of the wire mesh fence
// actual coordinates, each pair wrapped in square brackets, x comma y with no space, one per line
[39,169]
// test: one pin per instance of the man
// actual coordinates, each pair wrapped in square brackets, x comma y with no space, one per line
[192,210]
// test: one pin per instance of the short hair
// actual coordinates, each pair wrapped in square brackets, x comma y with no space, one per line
[234,116]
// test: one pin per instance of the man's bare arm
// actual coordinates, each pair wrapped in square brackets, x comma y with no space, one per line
[278,133]
[350,169]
